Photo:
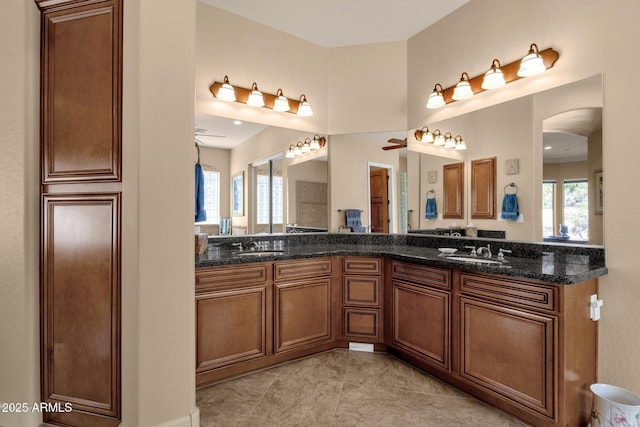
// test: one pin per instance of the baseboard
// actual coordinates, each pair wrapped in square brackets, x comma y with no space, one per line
[191,420]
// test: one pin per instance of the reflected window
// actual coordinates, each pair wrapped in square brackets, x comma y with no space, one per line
[548,207]
[211,197]
[264,197]
[576,208]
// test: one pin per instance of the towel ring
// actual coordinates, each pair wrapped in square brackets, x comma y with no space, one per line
[431,192]
[513,186]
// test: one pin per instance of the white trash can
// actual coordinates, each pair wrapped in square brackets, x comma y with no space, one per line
[614,406]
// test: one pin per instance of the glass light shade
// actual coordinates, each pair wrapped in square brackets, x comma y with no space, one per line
[532,63]
[306,147]
[290,154]
[281,103]
[460,144]
[493,78]
[449,143]
[427,137]
[297,151]
[462,91]
[226,92]
[255,99]
[315,145]
[436,100]
[439,140]
[304,108]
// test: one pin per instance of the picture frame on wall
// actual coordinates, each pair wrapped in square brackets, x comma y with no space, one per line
[237,194]
[599,193]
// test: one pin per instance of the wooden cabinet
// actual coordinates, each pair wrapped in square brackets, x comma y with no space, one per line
[303,303]
[453,191]
[81,188]
[529,348]
[483,188]
[421,313]
[362,319]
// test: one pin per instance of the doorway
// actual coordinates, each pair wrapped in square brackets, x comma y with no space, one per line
[380,197]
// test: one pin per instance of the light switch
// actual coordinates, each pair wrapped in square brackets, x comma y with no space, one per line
[594,305]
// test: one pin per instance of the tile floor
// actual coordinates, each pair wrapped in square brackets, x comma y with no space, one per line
[343,388]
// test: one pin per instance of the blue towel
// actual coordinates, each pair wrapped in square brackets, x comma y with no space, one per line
[201,214]
[510,209]
[431,210]
[353,220]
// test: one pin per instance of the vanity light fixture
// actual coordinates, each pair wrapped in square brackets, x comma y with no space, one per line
[255,97]
[463,88]
[532,63]
[304,108]
[281,103]
[290,154]
[460,144]
[306,146]
[436,100]
[226,91]
[309,145]
[297,149]
[424,135]
[535,62]
[494,78]
[315,142]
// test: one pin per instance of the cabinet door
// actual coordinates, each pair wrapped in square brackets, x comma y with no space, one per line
[362,324]
[421,323]
[302,314]
[509,351]
[231,327]
[483,188]
[453,191]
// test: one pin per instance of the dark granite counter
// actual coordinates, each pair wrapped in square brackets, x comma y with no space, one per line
[554,263]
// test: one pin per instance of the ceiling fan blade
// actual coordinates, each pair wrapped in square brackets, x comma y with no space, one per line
[210,135]
[398,141]
[393,147]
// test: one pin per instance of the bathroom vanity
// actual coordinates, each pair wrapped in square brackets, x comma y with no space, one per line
[515,334]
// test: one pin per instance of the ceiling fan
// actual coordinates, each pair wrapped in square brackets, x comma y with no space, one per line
[400,143]
[203,132]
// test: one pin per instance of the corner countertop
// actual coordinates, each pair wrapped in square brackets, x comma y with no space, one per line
[554,264]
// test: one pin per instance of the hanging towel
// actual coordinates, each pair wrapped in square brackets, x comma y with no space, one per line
[201,214]
[353,220]
[510,209]
[431,210]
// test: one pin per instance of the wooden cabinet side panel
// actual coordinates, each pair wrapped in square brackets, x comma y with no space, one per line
[303,312]
[231,327]
[483,188]
[510,352]
[82,94]
[453,191]
[80,301]
[421,322]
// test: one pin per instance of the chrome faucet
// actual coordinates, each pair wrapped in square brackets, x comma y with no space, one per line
[473,251]
[501,252]
[486,250]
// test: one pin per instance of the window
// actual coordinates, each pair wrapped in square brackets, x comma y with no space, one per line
[576,208]
[264,197]
[548,207]
[212,197]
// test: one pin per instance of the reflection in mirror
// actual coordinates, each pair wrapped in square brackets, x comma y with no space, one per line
[572,156]
[231,147]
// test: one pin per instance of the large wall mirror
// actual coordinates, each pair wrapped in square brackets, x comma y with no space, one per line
[279,194]
[554,136]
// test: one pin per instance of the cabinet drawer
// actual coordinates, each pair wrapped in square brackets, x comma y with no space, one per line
[362,323]
[430,276]
[301,269]
[361,265]
[515,292]
[361,290]
[220,277]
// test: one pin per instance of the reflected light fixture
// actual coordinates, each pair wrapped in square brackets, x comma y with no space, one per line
[448,140]
[424,135]
[304,108]
[297,149]
[436,100]
[255,97]
[460,144]
[438,138]
[463,88]
[532,63]
[306,147]
[281,103]
[318,142]
[289,154]
[226,91]
[494,78]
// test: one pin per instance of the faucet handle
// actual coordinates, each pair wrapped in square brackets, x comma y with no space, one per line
[473,250]
[238,245]
[501,253]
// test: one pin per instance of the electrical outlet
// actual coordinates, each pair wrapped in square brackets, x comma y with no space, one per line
[594,307]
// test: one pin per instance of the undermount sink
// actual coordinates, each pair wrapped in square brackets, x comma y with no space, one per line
[259,253]
[473,260]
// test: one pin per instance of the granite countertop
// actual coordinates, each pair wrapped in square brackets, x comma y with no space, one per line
[554,265]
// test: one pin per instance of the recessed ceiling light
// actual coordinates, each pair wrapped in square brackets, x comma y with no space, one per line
[237,122]
[547,147]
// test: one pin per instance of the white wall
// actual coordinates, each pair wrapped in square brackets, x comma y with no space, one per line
[588,45]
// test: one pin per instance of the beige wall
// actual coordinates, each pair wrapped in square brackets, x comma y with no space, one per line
[588,45]
[19,206]
[596,231]
[310,171]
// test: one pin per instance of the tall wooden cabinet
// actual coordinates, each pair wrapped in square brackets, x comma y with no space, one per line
[81,185]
